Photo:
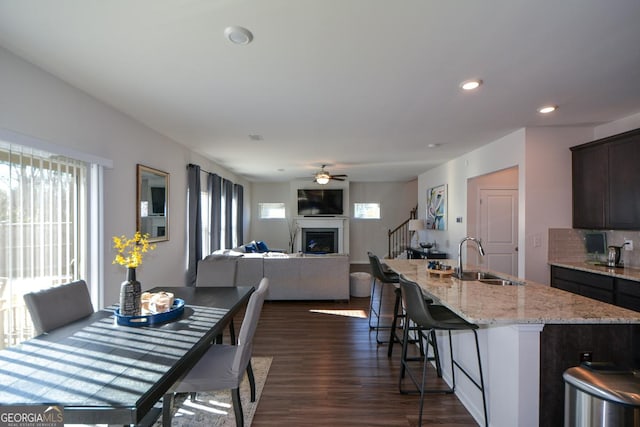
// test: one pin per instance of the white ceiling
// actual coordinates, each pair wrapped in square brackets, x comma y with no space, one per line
[363,85]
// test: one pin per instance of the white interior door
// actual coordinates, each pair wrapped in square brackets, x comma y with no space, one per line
[498,229]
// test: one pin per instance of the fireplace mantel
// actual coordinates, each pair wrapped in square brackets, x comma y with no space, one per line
[323,222]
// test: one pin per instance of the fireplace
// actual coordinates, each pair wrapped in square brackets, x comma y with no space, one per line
[336,226]
[320,240]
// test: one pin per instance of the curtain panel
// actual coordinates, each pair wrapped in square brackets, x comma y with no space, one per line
[238,201]
[214,186]
[194,224]
[215,217]
[227,196]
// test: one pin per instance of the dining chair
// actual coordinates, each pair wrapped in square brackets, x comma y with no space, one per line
[55,307]
[218,270]
[223,366]
[429,318]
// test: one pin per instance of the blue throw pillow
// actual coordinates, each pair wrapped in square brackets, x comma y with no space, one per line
[261,246]
[250,248]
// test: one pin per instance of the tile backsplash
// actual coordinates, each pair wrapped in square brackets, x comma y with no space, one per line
[568,244]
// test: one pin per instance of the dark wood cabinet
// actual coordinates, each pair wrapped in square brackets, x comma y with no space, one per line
[589,186]
[624,183]
[592,285]
[628,294]
[606,183]
[613,290]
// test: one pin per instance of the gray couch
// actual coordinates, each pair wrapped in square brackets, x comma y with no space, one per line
[291,277]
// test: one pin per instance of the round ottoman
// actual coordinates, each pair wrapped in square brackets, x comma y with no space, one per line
[360,284]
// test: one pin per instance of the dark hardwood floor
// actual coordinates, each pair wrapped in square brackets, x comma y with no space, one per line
[328,370]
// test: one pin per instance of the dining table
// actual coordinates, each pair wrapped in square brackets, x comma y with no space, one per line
[99,371]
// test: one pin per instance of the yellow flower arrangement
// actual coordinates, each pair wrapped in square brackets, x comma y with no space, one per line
[130,251]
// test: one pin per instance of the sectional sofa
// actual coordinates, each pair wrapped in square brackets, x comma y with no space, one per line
[291,276]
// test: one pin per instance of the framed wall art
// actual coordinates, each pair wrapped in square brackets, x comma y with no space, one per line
[437,208]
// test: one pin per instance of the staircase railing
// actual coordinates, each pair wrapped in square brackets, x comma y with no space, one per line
[399,238]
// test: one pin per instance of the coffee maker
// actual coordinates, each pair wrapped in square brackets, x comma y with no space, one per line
[613,255]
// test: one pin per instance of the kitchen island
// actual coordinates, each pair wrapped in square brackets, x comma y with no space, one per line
[529,335]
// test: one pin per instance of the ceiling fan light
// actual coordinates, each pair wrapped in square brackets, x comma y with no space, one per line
[322,178]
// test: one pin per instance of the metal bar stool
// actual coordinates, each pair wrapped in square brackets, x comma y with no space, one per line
[429,318]
[382,278]
[400,315]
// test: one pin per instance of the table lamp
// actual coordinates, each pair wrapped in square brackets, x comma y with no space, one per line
[414,226]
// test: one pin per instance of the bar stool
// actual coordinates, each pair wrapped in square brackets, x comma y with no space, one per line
[429,318]
[387,277]
[384,279]
[399,315]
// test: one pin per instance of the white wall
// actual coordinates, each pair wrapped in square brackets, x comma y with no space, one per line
[547,186]
[274,232]
[37,104]
[501,154]
[544,179]
[396,200]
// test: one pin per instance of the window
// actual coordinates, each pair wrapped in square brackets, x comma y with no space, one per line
[43,230]
[221,211]
[366,210]
[271,210]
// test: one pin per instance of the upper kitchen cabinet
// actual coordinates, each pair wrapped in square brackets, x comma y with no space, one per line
[624,183]
[606,183]
[589,186]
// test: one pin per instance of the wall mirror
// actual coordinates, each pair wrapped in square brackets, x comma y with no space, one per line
[152,211]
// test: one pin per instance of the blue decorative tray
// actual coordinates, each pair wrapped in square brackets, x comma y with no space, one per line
[152,319]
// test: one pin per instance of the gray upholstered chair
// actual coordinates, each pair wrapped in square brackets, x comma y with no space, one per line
[55,307]
[222,367]
[219,270]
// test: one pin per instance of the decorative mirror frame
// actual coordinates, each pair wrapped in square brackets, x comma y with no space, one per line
[154,225]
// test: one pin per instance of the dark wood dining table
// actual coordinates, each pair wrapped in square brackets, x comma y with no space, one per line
[101,372]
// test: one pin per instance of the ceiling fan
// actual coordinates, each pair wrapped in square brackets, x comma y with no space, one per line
[323,176]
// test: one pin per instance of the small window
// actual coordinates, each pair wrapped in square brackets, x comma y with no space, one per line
[366,210]
[272,210]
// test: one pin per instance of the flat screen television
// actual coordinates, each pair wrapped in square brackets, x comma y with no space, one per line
[320,202]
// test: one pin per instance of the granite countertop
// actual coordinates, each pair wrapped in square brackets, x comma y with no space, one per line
[532,303]
[628,273]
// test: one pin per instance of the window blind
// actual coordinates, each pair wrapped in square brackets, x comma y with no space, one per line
[43,222]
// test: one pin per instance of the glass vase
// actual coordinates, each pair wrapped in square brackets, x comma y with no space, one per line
[130,292]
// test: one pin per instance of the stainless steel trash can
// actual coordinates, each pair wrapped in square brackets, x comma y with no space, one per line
[601,396]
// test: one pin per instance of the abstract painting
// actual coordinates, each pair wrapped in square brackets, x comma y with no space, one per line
[437,208]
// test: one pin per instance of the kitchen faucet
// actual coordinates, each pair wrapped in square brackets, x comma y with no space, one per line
[480,249]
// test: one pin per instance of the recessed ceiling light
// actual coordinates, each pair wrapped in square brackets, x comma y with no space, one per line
[238,35]
[547,109]
[432,145]
[471,84]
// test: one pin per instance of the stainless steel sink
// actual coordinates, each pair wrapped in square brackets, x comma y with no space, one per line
[476,275]
[488,278]
[501,282]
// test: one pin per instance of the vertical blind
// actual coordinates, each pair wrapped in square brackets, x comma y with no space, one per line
[43,219]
